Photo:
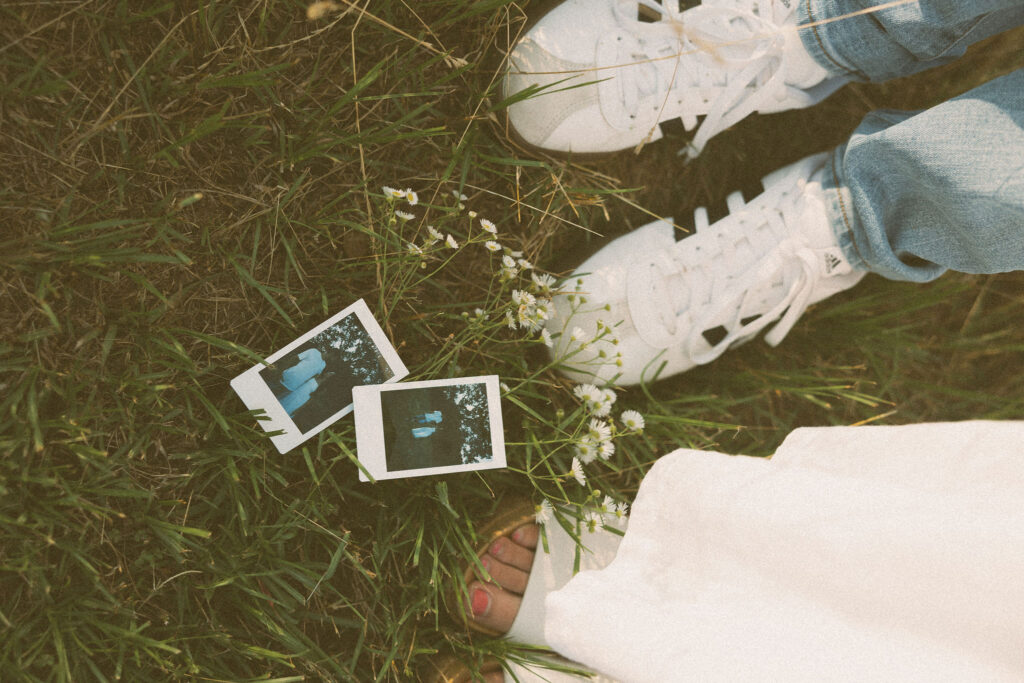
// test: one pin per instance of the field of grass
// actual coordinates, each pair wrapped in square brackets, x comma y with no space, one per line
[187,186]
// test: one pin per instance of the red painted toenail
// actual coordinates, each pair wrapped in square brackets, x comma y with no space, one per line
[486,562]
[480,602]
[517,535]
[497,546]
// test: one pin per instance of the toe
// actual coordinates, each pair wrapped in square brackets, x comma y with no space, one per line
[504,575]
[511,553]
[492,607]
[527,535]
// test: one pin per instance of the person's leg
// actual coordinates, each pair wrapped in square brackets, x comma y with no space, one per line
[914,194]
[910,195]
[874,40]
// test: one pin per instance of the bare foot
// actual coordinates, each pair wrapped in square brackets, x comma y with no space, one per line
[495,603]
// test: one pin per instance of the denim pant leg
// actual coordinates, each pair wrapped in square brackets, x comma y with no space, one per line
[912,194]
[902,39]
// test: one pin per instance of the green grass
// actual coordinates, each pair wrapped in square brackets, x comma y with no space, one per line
[186,187]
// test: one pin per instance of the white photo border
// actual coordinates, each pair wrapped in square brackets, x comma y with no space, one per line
[256,395]
[370,446]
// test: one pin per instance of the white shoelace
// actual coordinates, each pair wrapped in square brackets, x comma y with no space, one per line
[720,281]
[732,54]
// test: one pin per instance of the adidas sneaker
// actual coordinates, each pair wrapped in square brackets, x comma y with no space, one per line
[598,76]
[647,306]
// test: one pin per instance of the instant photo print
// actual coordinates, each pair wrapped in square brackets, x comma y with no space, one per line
[435,427]
[307,385]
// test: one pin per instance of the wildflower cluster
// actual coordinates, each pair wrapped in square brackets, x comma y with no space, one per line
[595,516]
[595,400]
[596,440]
[530,308]
[391,194]
[528,312]
[434,238]
[605,512]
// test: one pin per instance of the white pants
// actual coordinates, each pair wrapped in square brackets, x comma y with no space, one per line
[854,553]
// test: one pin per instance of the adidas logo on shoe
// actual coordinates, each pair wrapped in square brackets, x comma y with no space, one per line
[832,262]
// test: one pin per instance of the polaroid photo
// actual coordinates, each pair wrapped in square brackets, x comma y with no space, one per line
[435,427]
[307,385]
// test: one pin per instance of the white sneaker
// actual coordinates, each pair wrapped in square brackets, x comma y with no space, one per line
[595,78]
[645,306]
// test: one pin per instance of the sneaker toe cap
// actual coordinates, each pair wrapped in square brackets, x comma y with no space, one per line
[596,304]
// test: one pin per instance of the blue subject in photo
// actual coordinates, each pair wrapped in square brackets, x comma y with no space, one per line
[429,418]
[296,399]
[311,363]
[422,432]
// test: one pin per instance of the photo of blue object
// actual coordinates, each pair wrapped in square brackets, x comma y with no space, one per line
[311,363]
[314,381]
[297,398]
[436,426]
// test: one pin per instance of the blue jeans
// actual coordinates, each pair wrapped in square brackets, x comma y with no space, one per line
[913,194]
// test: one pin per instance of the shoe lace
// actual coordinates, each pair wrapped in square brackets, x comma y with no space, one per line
[710,277]
[727,51]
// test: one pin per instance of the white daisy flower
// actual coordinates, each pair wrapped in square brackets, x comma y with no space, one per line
[479,313]
[513,252]
[522,297]
[458,195]
[492,245]
[435,234]
[606,449]
[587,393]
[472,214]
[524,264]
[543,282]
[542,512]
[405,216]
[601,408]
[545,311]
[414,249]
[545,337]
[632,420]
[508,262]
[579,336]
[599,430]
[391,193]
[450,241]
[607,505]
[593,521]
[621,510]
[586,450]
[527,319]
[577,472]
[510,320]
[488,226]
[411,197]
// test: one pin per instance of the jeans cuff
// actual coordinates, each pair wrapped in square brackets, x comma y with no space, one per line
[815,41]
[839,207]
